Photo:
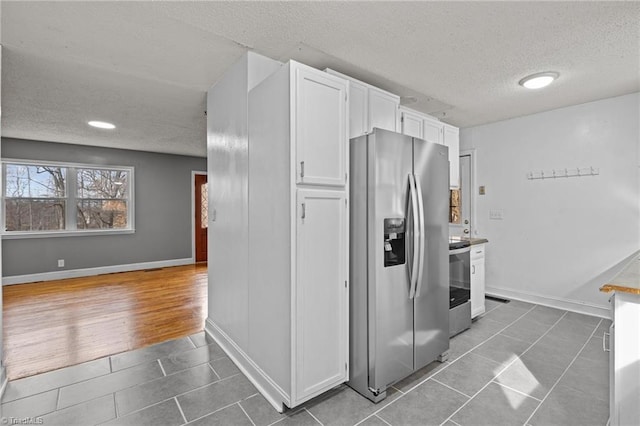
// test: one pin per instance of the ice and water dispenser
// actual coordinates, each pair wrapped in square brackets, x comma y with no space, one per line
[394,250]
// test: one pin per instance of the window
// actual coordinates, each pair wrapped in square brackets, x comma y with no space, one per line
[57,199]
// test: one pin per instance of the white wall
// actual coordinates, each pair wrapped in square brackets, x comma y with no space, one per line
[560,239]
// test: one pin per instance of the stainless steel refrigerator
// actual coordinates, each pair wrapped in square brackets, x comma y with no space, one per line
[399,270]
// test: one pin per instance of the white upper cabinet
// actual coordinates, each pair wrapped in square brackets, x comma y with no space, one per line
[383,110]
[358,110]
[452,141]
[370,107]
[320,127]
[433,130]
[412,123]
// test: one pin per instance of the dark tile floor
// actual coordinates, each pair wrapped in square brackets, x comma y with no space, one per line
[519,364]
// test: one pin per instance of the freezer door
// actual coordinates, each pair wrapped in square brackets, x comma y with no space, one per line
[390,308]
[431,304]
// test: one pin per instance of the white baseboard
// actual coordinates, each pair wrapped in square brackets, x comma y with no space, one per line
[273,393]
[552,302]
[87,272]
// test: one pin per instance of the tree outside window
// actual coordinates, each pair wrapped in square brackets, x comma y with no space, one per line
[43,197]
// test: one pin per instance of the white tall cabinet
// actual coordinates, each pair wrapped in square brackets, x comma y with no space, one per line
[296,318]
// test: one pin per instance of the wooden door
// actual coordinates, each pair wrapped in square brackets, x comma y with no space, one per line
[201,217]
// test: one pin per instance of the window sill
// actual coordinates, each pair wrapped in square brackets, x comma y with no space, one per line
[54,234]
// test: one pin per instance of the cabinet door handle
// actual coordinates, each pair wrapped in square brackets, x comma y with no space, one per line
[304,212]
[301,169]
[473,269]
[604,342]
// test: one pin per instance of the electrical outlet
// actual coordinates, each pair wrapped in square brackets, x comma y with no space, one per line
[496,214]
[60,263]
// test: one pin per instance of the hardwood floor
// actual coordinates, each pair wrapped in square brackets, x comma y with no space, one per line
[54,324]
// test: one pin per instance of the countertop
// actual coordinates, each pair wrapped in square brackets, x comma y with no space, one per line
[472,241]
[628,280]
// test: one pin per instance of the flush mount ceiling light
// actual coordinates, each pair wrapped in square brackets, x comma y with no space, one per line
[539,80]
[101,125]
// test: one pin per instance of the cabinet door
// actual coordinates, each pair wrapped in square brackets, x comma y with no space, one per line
[477,284]
[320,123]
[412,124]
[432,130]
[321,294]
[383,110]
[358,109]
[452,141]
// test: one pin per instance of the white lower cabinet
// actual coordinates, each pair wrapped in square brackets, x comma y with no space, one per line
[477,280]
[321,293]
[624,360]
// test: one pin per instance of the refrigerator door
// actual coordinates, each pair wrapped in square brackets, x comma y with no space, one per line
[431,309]
[390,307]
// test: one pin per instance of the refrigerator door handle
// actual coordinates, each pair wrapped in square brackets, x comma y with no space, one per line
[413,272]
[421,233]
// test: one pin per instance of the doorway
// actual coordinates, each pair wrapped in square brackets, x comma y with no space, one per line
[201,216]
[465,226]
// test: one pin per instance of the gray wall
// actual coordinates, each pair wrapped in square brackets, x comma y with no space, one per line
[162,212]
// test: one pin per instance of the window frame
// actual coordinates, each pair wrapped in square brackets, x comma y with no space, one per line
[71,199]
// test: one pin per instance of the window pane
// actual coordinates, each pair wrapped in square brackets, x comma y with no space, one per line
[34,214]
[30,181]
[204,206]
[103,184]
[102,214]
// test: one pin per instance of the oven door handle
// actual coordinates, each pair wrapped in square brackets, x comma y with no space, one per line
[460,250]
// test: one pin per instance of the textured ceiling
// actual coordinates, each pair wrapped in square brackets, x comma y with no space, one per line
[146,66]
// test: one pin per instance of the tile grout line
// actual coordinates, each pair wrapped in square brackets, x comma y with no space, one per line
[164,373]
[446,385]
[449,363]
[564,372]
[314,417]
[176,396]
[192,342]
[515,390]
[507,365]
[180,409]
[115,404]
[58,387]
[401,392]
[57,400]
[214,371]
[202,417]
[245,413]
[383,420]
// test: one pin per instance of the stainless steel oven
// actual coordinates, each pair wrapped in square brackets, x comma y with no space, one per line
[459,287]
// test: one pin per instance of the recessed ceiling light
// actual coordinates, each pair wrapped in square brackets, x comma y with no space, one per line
[102,125]
[539,80]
